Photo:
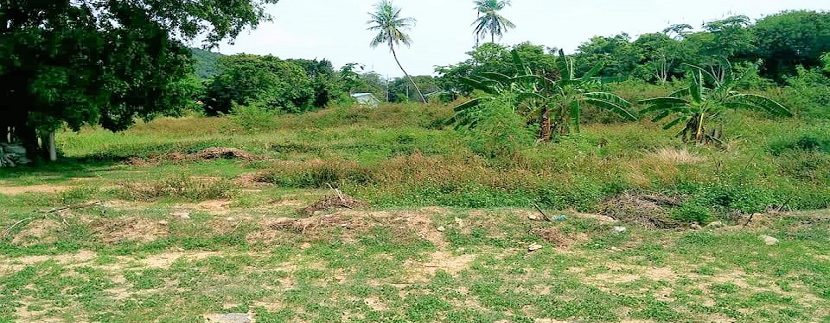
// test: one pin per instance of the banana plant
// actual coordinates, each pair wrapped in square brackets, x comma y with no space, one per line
[556,103]
[700,107]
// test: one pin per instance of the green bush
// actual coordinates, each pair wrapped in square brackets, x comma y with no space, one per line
[818,142]
[253,118]
[500,132]
[746,198]
[808,93]
[692,213]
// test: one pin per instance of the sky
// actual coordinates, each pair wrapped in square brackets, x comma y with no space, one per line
[336,29]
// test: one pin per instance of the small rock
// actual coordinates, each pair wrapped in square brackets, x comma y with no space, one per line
[305,246]
[229,318]
[162,222]
[182,215]
[442,229]
[615,249]
[533,217]
[770,241]
[715,225]
[230,219]
[534,247]
[619,229]
[696,226]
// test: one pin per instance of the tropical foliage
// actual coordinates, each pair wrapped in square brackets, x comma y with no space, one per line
[556,104]
[699,108]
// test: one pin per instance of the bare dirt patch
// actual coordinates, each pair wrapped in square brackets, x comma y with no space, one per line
[439,261]
[250,180]
[43,188]
[650,211]
[165,260]
[215,206]
[15,264]
[42,231]
[376,304]
[559,239]
[112,231]
[413,224]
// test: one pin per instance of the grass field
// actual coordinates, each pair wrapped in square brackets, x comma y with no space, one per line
[146,225]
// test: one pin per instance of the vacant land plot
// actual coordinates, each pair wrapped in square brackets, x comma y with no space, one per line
[351,221]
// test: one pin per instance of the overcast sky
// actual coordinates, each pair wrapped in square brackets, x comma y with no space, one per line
[336,29]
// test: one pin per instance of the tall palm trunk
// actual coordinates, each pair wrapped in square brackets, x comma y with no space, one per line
[395,55]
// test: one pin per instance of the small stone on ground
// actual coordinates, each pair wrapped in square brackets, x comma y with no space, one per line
[534,247]
[770,241]
[229,318]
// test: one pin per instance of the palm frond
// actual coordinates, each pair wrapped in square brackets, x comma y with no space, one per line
[675,122]
[757,102]
[664,101]
[610,102]
[479,85]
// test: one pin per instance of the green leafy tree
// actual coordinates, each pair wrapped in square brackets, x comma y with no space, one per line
[678,31]
[555,104]
[104,62]
[790,39]
[391,26]
[325,81]
[264,81]
[490,21]
[660,57]
[206,63]
[616,54]
[699,108]
[356,80]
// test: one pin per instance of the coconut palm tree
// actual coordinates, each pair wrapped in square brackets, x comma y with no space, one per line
[391,27]
[490,21]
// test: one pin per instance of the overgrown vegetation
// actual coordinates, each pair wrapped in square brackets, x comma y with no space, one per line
[257,186]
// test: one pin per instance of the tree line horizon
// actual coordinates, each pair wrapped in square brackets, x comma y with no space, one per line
[109,63]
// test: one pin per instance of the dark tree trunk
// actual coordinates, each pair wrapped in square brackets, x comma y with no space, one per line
[4,133]
[28,137]
[546,126]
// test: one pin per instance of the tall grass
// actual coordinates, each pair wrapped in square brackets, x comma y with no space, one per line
[400,155]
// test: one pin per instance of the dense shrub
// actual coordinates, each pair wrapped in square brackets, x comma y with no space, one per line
[692,213]
[808,94]
[252,118]
[499,131]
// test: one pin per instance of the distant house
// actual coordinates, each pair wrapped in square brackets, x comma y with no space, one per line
[366,99]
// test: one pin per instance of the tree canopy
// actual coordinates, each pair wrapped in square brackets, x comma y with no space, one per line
[104,62]
[266,81]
